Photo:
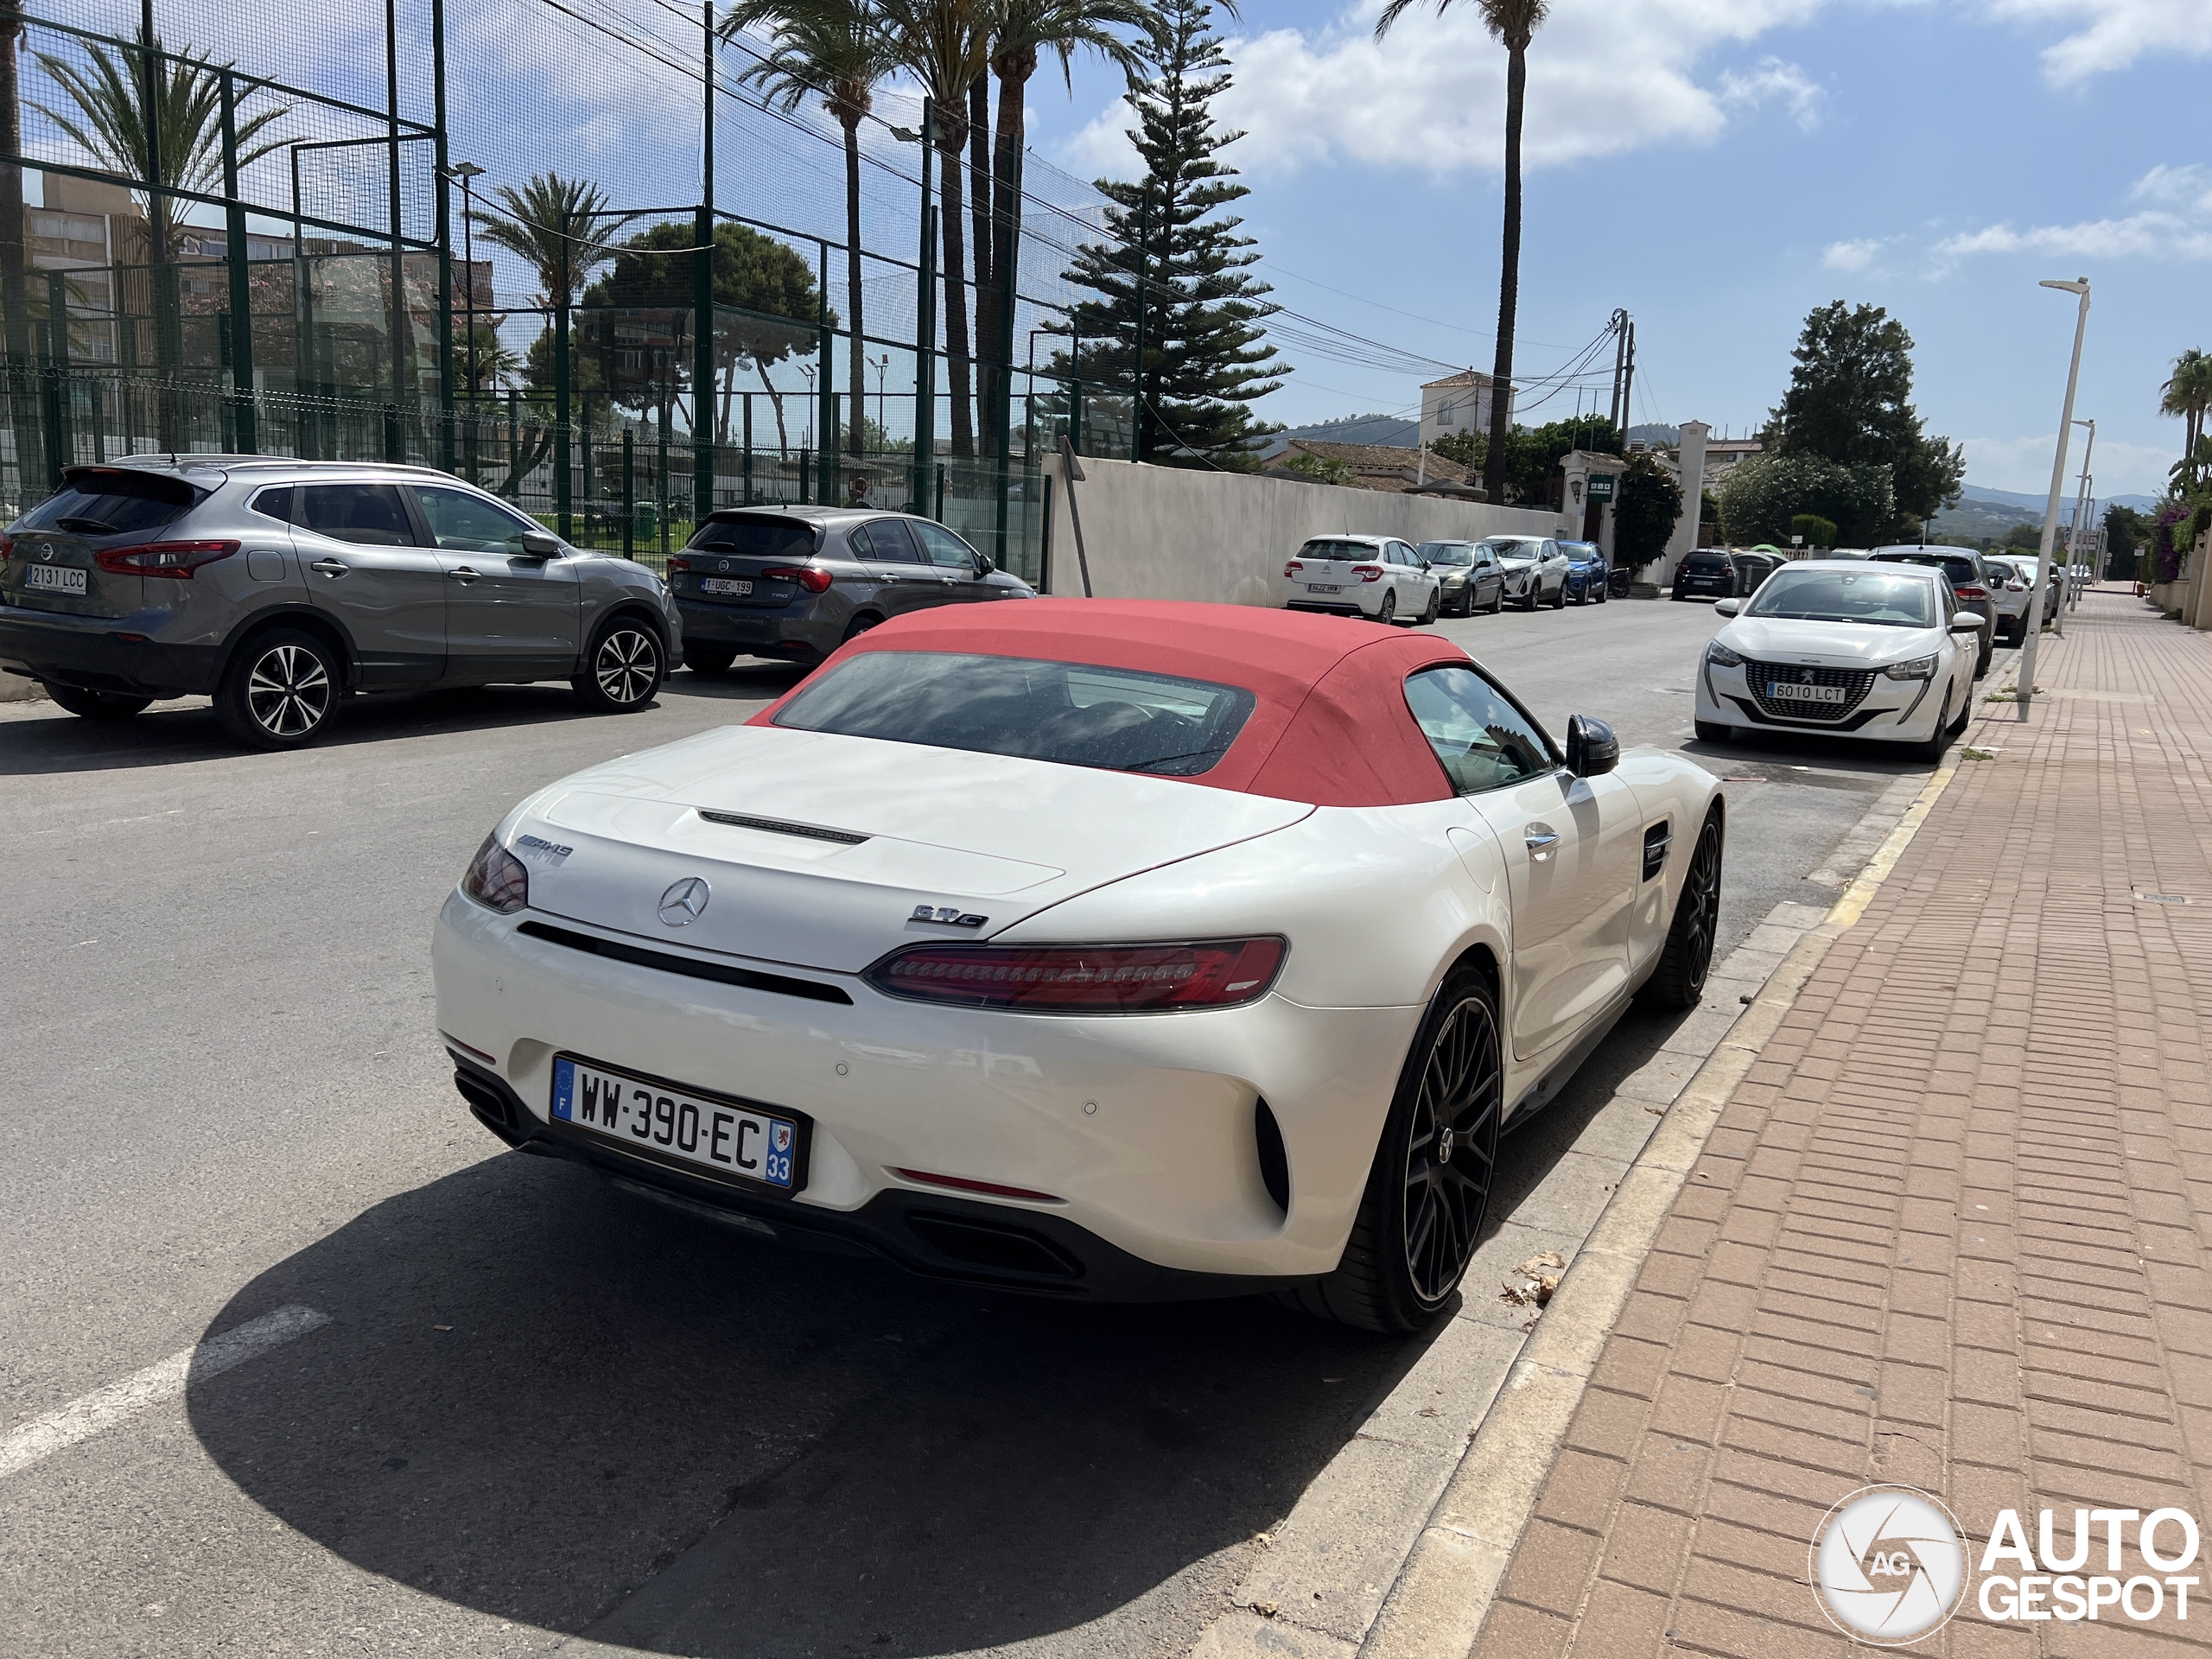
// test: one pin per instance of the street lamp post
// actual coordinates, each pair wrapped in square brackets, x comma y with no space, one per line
[882,367]
[2080,512]
[468,173]
[2026,692]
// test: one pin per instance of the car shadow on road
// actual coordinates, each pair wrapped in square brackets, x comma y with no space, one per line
[648,1425]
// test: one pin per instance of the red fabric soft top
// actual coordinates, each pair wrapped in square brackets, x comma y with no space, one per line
[1330,726]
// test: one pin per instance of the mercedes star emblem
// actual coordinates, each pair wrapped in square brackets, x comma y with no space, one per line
[684,903]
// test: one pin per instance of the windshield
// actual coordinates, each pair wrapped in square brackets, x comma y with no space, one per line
[1514,547]
[1885,599]
[1447,552]
[1076,714]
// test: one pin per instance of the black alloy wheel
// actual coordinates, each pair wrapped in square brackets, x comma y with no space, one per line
[280,691]
[624,669]
[1435,606]
[1429,1186]
[1559,599]
[96,705]
[1679,980]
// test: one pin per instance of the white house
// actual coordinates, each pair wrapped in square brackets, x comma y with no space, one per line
[1458,403]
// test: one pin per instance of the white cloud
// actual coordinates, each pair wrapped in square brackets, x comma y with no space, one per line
[1102,148]
[1855,256]
[2154,235]
[1775,79]
[2110,34]
[1602,79]
[2024,464]
[2188,186]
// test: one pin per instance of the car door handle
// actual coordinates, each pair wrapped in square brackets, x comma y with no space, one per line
[1541,840]
[329,566]
[462,574]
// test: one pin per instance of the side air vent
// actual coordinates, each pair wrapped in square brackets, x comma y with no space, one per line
[779,826]
[1275,1158]
[1657,840]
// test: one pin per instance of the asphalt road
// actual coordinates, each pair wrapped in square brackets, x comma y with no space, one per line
[535,1407]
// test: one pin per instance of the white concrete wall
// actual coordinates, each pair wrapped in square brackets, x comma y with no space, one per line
[1168,532]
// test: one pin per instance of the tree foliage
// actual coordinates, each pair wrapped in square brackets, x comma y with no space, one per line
[1205,351]
[1647,502]
[1533,455]
[1849,403]
[1762,493]
[1328,469]
[2186,394]
[1813,530]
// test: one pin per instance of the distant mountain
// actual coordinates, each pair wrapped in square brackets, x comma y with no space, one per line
[1353,428]
[1665,437]
[2017,501]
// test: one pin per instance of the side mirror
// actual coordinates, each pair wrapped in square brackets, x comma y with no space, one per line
[1965,622]
[983,565]
[1592,748]
[540,545]
[1727,606]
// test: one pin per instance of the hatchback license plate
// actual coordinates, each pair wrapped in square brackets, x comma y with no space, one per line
[1323,588]
[725,585]
[647,1115]
[1785,689]
[54,579]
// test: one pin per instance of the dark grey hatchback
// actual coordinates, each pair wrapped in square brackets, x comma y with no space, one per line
[794,583]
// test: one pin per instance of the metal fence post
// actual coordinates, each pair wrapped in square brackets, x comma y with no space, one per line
[593,522]
[629,492]
[561,432]
[748,449]
[444,242]
[926,321]
[1007,256]
[245,432]
[826,467]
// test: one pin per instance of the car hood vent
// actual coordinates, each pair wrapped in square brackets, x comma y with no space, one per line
[779,826]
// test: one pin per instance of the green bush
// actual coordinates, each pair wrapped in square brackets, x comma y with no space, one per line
[1761,494]
[1644,510]
[1816,530]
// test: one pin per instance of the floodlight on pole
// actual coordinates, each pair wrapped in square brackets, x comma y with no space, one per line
[468,172]
[2025,693]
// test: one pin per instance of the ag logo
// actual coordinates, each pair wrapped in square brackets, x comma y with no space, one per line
[1888,1565]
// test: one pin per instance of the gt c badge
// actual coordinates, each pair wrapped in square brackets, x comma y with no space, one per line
[946,916]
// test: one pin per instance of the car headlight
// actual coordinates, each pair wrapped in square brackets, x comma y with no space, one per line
[1720,656]
[495,878]
[1920,668]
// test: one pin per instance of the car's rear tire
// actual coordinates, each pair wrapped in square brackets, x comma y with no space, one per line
[1435,609]
[1389,614]
[1498,601]
[1679,980]
[1988,651]
[1559,599]
[861,624]
[1713,731]
[1427,1191]
[624,668]
[708,659]
[280,690]
[96,705]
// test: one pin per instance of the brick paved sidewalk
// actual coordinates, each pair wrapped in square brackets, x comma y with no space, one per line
[1952,1230]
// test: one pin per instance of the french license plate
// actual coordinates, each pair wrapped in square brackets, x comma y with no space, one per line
[1783,691]
[54,579]
[648,1114]
[1323,588]
[728,586]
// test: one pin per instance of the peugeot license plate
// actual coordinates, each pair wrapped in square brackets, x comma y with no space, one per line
[725,585]
[54,579]
[687,1125]
[1783,691]
[1323,588]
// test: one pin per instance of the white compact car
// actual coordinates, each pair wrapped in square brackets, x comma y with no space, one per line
[1378,577]
[1866,650]
[1536,569]
[1113,948]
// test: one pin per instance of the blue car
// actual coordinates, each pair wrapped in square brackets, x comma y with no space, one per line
[1586,573]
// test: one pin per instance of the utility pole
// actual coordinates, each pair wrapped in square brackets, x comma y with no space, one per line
[1628,385]
[1620,362]
[2081,512]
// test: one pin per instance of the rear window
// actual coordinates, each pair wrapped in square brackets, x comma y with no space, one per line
[1357,552]
[1959,570]
[758,538]
[113,504]
[1076,714]
[1705,561]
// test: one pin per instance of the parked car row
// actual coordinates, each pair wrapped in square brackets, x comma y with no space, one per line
[281,587]
[1385,579]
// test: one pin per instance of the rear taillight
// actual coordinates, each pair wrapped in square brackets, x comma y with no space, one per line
[1971,591]
[175,559]
[7,545]
[1084,978]
[813,578]
[1368,572]
[495,878]
[678,565]
[1293,568]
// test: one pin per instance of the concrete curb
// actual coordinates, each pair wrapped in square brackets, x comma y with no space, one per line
[1444,1589]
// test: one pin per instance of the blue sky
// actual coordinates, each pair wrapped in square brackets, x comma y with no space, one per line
[1720,168]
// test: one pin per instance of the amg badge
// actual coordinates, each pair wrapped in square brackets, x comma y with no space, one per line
[947,915]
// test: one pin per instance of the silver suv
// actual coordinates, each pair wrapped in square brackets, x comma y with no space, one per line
[279,587]
[795,583]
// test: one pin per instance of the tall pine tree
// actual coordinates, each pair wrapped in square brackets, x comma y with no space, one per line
[1205,354]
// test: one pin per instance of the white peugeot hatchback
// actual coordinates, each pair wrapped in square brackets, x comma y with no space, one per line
[1868,650]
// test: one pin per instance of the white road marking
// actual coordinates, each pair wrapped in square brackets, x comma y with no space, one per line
[105,1407]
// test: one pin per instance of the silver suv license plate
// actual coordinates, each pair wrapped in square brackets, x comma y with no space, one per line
[691,1127]
[54,579]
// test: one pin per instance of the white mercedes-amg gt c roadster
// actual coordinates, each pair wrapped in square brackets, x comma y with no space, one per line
[1098,948]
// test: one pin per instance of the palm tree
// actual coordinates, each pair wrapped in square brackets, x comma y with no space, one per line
[1025,29]
[109,123]
[562,228]
[840,50]
[945,45]
[2186,394]
[1513,23]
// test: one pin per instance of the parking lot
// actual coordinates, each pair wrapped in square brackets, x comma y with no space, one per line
[540,1409]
